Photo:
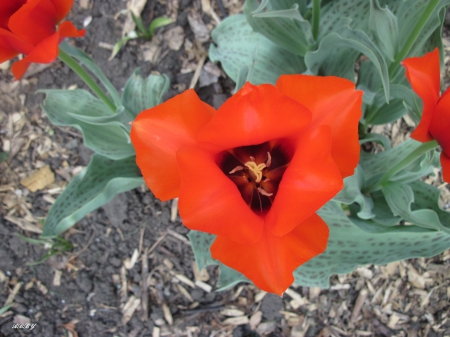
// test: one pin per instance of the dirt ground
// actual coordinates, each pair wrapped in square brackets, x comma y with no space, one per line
[105,285]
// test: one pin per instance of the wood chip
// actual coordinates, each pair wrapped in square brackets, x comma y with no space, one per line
[185,280]
[255,319]
[129,263]
[358,305]
[167,314]
[199,28]
[84,4]
[129,308]
[13,294]
[199,275]
[174,37]
[184,292]
[57,278]
[24,224]
[232,311]
[204,286]
[236,320]
[39,180]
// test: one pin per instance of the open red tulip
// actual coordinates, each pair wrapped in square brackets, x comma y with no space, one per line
[424,75]
[28,27]
[255,171]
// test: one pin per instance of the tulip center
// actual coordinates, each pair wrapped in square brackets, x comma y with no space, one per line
[257,171]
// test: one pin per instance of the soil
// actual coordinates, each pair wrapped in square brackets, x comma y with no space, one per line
[88,291]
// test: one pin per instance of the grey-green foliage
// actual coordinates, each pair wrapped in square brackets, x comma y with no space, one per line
[418,206]
[95,186]
[143,93]
[375,165]
[85,60]
[351,243]
[237,45]
[281,21]
[201,242]
[363,242]
[75,108]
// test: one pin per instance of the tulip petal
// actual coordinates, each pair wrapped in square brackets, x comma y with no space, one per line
[67,29]
[45,52]
[445,162]
[254,115]
[210,202]
[62,8]
[11,45]
[332,101]
[270,262]
[7,9]
[440,123]
[423,73]
[34,21]
[311,179]
[159,132]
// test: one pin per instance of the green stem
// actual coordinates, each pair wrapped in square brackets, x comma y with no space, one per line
[84,75]
[431,6]
[316,19]
[417,153]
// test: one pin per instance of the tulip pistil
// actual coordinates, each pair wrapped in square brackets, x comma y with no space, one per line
[257,171]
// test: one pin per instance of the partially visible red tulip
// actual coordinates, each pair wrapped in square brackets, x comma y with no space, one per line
[29,27]
[424,75]
[255,172]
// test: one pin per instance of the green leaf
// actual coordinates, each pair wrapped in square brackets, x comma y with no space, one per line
[342,45]
[201,242]
[92,66]
[374,165]
[78,108]
[138,22]
[382,211]
[284,26]
[351,193]
[408,13]
[384,29]
[5,308]
[95,186]
[157,23]
[237,45]
[3,156]
[402,100]
[352,244]
[377,138]
[143,93]
[119,44]
[400,198]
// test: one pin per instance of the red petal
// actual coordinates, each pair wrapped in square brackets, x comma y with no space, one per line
[19,68]
[45,52]
[440,123]
[8,8]
[11,45]
[254,115]
[62,8]
[311,179]
[332,101]
[67,29]
[34,21]
[424,75]
[269,263]
[159,132]
[210,202]
[445,162]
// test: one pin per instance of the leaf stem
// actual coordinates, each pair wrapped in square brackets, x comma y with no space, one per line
[316,19]
[84,75]
[422,149]
[431,6]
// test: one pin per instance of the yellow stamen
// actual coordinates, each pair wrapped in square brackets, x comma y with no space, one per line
[237,168]
[256,169]
[267,194]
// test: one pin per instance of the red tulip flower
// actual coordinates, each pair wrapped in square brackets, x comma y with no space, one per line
[255,171]
[28,27]
[424,75]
